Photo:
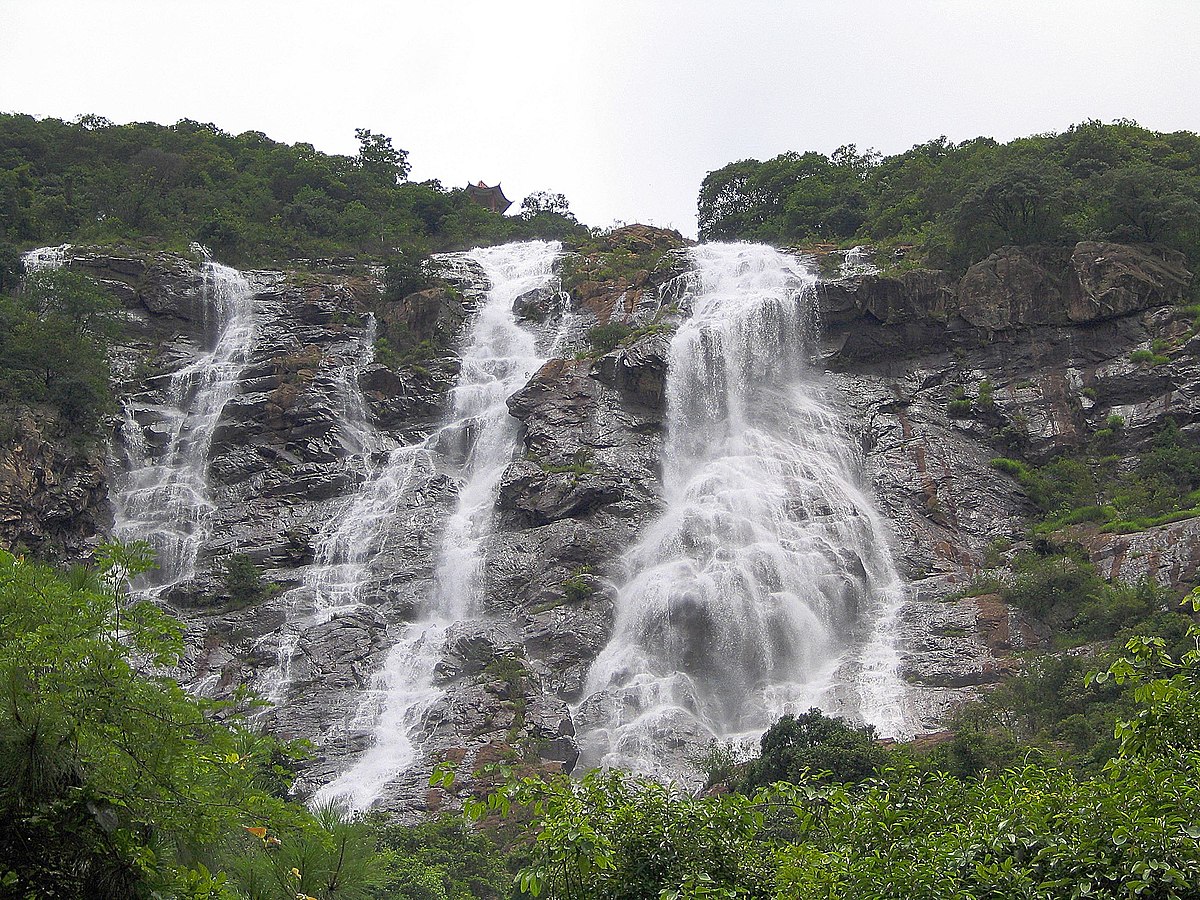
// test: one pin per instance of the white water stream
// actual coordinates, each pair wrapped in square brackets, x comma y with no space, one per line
[43,258]
[476,443]
[162,495]
[766,586]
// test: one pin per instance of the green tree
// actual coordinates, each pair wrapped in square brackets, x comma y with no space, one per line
[545,202]
[12,267]
[74,300]
[813,745]
[53,348]
[1143,202]
[614,836]
[1019,203]
[378,157]
[117,781]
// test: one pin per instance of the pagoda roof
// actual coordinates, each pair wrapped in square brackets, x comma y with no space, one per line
[491,197]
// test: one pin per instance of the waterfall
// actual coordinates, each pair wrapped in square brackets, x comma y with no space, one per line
[43,258]
[766,586]
[476,443]
[162,494]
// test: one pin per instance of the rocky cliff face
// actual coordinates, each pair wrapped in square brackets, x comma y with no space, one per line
[1049,332]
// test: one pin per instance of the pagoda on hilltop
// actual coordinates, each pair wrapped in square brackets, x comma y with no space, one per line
[491,197]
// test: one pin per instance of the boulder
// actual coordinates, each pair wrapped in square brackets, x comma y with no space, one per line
[1026,286]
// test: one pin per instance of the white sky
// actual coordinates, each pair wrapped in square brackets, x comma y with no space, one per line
[623,105]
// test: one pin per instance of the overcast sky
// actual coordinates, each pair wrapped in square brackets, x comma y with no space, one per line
[621,105]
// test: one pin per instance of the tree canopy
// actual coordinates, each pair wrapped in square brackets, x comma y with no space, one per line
[958,202]
[251,199]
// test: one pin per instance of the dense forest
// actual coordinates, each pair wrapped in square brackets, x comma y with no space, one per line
[955,203]
[250,199]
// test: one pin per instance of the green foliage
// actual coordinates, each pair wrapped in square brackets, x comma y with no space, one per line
[12,267]
[604,338]
[251,199]
[243,581]
[615,257]
[578,463]
[1148,358]
[1025,832]
[958,202]
[718,762]
[117,782]
[577,587]
[1167,693]
[53,340]
[959,409]
[326,856]
[541,202]
[510,670]
[405,275]
[1163,487]
[813,746]
[1034,831]
[442,860]
[618,837]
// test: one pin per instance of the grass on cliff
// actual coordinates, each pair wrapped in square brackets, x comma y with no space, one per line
[1162,486]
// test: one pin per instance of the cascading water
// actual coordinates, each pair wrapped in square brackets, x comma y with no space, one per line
[162,496]
[766,585]
[477,443]
[857,261]
[44,258]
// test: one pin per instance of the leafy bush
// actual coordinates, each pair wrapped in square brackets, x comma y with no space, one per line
[117,781]
[1147,357]
[577,587]
[443,859]
[959,409]
[405,275]
[1038,832]
[243,581]
[604,338]
[816,747]
[614,836]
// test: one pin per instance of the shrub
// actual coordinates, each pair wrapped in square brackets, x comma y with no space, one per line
[604,338]
[959,409]
[717,762]
[578,588]
[1148,358]
[118,782]
[813,746]
[243,582]
[405,275]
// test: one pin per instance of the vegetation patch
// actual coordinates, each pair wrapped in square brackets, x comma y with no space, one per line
[955,203]
[251,200]
[54,337]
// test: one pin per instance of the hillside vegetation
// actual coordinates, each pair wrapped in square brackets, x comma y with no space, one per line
[250,199]
[955,203]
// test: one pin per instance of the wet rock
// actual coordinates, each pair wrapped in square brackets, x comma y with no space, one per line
[52,492]
[1168,555]
[639,370]
[1018,286]
[962,643]
[539,305]
[534,496]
